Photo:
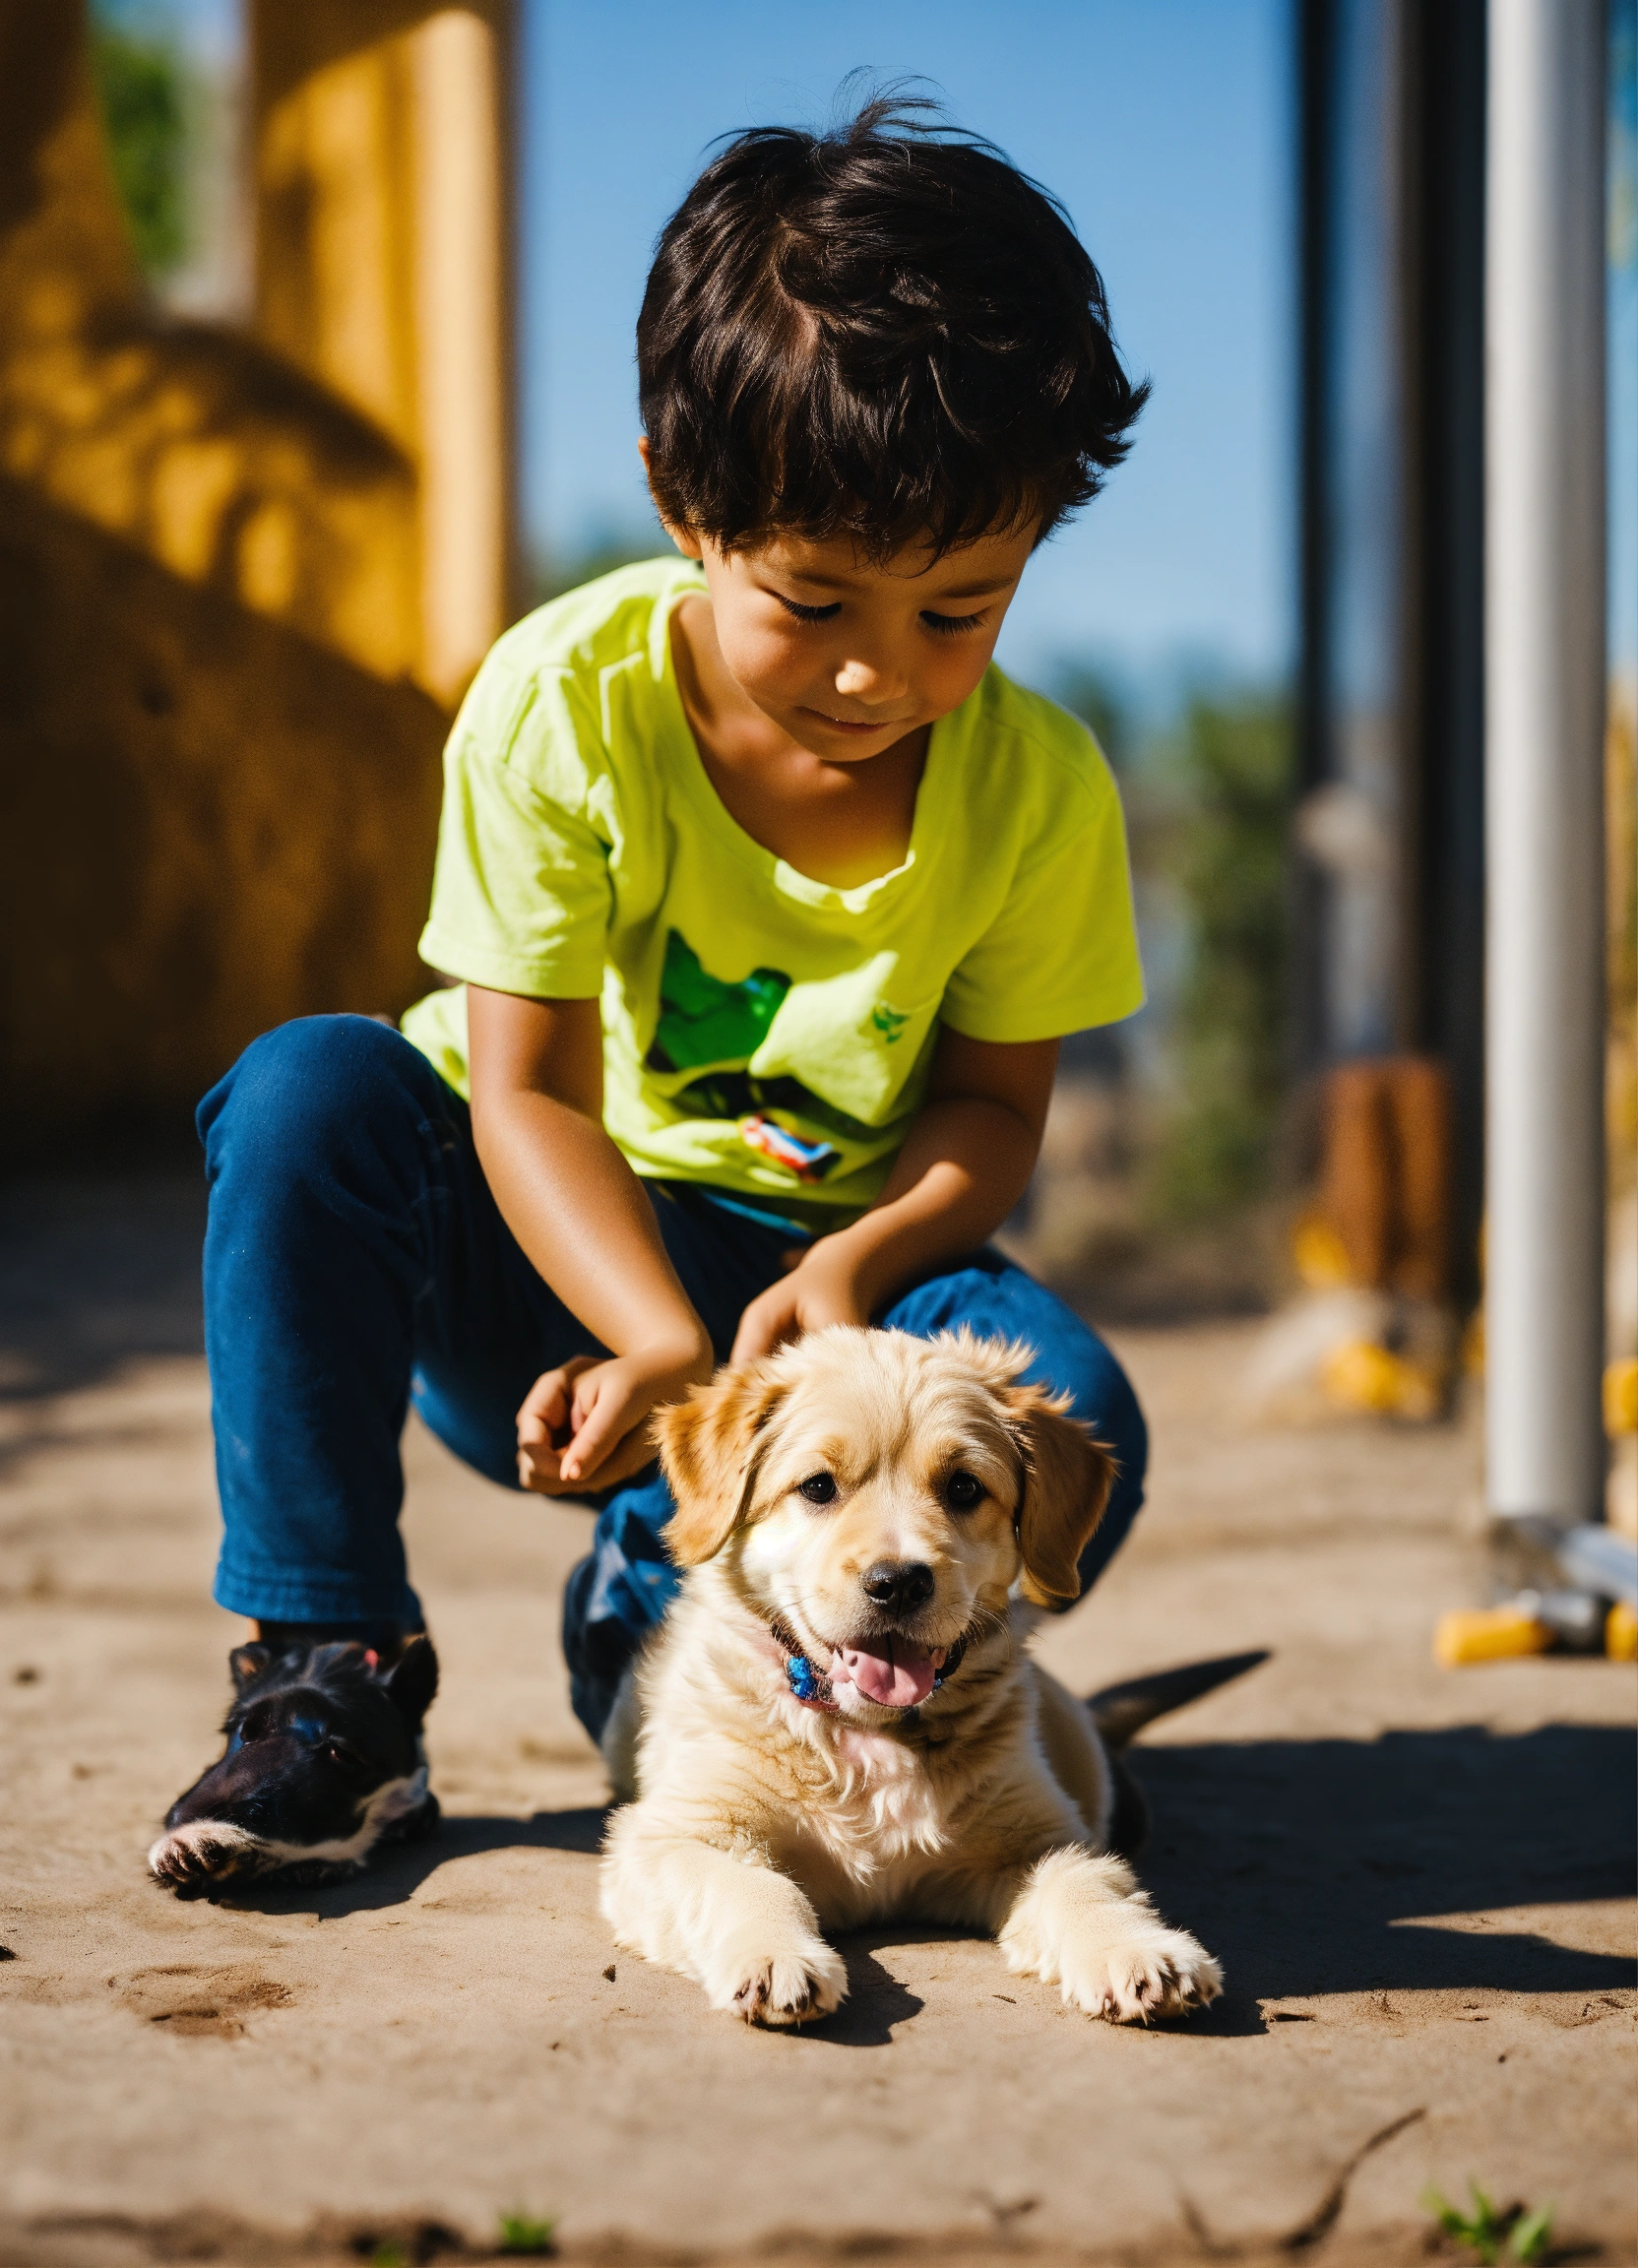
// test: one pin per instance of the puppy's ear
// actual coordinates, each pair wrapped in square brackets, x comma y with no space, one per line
[246,1663]
[413,1681]
[1067,1479]
[708,1451]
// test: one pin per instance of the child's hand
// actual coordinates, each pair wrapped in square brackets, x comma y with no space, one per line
[823,1286]
[585,1425]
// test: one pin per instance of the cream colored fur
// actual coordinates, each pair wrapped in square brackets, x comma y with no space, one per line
[759,1823]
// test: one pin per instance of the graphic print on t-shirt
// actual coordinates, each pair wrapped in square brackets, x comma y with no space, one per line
[706,1021]
[701,1020]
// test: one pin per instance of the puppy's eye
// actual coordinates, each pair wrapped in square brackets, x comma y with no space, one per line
[962,1491]
[818,1488]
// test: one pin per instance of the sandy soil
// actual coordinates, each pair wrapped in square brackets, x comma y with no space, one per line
[1419,1884]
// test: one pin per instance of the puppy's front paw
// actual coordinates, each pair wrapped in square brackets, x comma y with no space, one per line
[1164,1975]
[797,1985]
[1081,1922]
[1150,1972]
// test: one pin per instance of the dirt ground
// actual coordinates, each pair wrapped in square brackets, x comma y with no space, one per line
[1419,1883]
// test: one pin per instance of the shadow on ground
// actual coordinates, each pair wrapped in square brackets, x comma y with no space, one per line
[95,1274]
[398,1872]
[1309,1867]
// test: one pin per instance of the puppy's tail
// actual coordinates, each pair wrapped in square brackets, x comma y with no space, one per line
[1120,1712]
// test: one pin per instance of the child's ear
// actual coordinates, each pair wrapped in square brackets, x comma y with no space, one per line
[1067,1479]
[709,1450]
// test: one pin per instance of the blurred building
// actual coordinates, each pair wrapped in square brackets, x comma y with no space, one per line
[245,568]
[1459,740]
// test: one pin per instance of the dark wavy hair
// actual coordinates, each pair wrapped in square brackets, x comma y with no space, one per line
[884,331]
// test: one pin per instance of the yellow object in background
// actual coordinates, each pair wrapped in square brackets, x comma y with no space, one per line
[1621,1632]
[1620,1491]
[1361,1375]
[1488,1634]
[1620,1397]
[1320,1255]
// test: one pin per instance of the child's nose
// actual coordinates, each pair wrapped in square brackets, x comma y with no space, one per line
[862,680]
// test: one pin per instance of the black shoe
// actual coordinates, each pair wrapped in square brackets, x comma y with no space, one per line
[324,1762]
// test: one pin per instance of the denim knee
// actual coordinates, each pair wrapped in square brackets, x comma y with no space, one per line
[307,1089]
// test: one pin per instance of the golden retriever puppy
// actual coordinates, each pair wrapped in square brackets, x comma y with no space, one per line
[836,1724]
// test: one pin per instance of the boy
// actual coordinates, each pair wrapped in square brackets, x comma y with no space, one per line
[769,899]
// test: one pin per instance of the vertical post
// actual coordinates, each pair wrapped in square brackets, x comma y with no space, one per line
[1544,694]
[1316,75]
[461,320]
[383,209]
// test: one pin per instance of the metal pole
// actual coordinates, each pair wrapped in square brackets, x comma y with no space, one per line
[1545,698]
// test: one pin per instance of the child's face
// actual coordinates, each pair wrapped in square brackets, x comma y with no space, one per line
[849,658]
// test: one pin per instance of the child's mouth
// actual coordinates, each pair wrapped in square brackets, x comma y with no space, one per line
[862,726]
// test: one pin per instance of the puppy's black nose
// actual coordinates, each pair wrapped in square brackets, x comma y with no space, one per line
[900,1585]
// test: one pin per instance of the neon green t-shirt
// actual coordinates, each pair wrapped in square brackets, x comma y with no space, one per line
[763,1033]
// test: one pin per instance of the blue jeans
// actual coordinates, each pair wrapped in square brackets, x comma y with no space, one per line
[355,1259]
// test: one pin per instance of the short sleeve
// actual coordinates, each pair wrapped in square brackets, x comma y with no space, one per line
[521,893]
[1062,953]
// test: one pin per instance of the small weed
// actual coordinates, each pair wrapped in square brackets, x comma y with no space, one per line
[1514,2234]
[389,2256]
[520,2233]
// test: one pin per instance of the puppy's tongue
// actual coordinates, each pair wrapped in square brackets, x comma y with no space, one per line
[891,1671]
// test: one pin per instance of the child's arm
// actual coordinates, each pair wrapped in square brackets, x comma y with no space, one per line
[964,1164]
[582,1218]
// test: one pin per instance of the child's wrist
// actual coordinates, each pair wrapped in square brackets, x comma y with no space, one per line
[683,1354]
[860,1256]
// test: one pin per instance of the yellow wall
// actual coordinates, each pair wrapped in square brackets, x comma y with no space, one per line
[218,729]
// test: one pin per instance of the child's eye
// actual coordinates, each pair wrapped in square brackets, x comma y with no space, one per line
[950,625]
[809,613]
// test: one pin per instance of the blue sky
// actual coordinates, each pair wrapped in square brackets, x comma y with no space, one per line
[1163,127]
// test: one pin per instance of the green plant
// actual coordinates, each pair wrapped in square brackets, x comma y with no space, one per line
[142,92]
[1226,855]
[1512,2235]
[520,2233]
[389,2255]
